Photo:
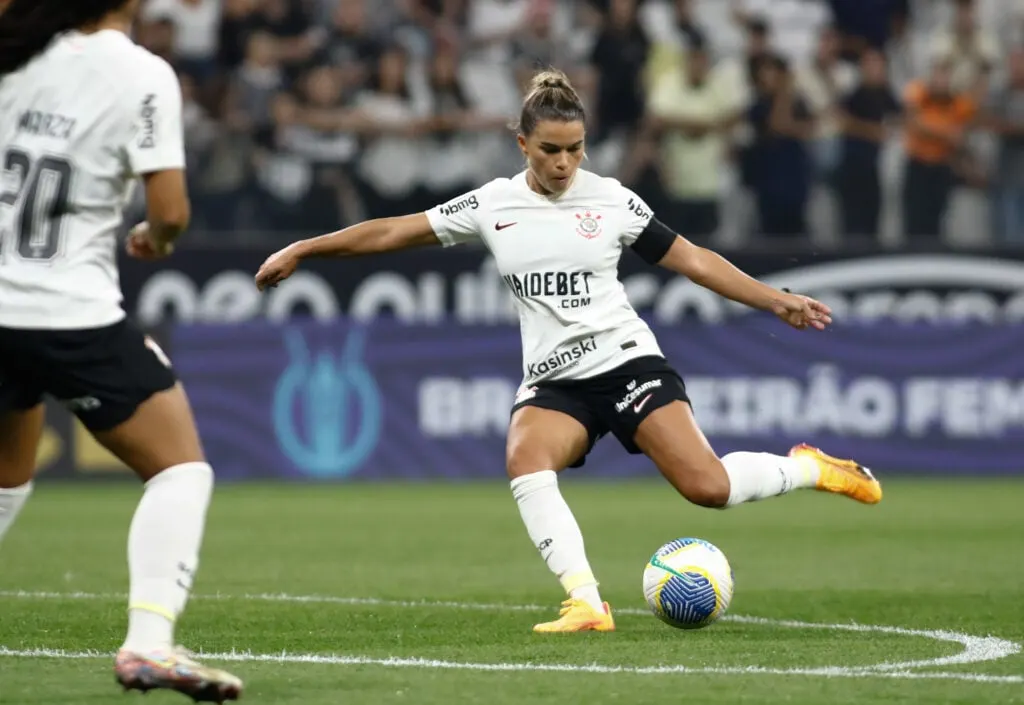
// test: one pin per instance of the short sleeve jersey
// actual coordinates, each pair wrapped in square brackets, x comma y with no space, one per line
[559,257]
[78,124]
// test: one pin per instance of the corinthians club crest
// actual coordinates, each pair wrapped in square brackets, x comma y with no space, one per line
[588,224]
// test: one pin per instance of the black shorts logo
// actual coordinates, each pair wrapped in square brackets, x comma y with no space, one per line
[638,396]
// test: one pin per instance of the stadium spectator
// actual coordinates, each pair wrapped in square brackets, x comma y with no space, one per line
[239,20]
[780,167]
[937,120]
[795,24]
[692,110]
[196,24]
[254,85]
[866,24]
[1005,117]
[619,56]
[351,45]
[158,36]
[298,39]
[392,160]
[451,150]
[970,50]
[822,82]
[864,117]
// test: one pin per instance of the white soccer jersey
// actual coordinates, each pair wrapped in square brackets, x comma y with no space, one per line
[77,124]
[559,257]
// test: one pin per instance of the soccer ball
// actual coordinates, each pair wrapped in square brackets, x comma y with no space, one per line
[688,583]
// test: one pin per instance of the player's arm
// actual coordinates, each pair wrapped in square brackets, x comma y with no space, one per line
[168,210]
[712,271]
[371,237]
[448,224]
[657,244]
[155,152]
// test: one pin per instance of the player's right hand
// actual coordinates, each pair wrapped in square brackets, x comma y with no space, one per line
[142,245]
[278,267]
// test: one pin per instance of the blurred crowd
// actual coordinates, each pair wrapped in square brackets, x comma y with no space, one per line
[830,121]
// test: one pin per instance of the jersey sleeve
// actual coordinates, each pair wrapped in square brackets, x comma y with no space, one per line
[156,137]
[638,215]
[458,220]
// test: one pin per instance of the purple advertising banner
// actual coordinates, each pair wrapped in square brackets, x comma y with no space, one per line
[385,400]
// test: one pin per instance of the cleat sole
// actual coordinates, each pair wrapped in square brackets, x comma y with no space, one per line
[206,692]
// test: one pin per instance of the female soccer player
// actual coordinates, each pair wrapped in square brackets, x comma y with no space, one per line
[591,365]
[83,111]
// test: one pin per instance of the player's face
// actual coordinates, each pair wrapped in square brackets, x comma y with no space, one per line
[554,151]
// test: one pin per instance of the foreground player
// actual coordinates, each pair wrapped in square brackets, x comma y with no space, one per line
[82,111]
[591,365]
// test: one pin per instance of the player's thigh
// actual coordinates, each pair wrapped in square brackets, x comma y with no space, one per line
[552,431]
[20,431]
[159,434]
[122,387]
[21,410]
[671,438]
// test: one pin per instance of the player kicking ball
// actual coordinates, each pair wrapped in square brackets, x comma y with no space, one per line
[83,111]
[591,365]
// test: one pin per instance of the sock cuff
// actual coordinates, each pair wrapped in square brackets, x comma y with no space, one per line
[155,609]
[528,484]
[19,491]
[578,580]
[198,470]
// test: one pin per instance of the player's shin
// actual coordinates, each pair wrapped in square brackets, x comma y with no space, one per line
[754,476]
[163,553]
[12,499]
[554,531]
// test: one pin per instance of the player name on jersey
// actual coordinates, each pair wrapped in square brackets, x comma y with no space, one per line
[36,122]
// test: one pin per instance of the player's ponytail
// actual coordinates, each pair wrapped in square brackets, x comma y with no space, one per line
[28,26]
[550,97]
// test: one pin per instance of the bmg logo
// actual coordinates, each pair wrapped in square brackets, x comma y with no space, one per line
[327,407]
[450,209]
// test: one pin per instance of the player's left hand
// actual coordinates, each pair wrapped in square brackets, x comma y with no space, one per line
[278,267]
[141,244]
[802,311]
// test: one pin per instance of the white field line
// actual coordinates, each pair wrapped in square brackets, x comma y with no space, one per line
[394,662]
[975,649]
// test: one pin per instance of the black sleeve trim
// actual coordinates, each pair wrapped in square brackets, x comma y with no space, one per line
[654,242]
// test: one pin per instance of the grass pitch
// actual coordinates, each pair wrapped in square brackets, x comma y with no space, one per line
[425,593]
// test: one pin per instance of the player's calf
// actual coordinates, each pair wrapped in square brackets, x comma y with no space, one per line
[20,432]
[540,442]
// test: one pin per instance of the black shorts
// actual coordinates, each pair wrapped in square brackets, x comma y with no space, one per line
[615,401]
[101,375]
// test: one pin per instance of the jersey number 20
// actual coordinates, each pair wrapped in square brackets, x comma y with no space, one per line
[38,219]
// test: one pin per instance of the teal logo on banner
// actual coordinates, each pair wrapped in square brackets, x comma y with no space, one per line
[327,409]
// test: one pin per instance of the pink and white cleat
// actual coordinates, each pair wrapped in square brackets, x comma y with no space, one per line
[177,671]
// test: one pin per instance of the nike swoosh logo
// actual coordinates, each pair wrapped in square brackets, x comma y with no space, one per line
[640,404]
[502,226]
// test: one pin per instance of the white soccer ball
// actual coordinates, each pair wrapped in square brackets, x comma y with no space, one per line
[688,583]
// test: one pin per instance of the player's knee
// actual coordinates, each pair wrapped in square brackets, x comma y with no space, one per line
[706,487]
[520,463]
[526,458]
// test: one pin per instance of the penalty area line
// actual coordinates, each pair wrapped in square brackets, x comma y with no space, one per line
[395,662]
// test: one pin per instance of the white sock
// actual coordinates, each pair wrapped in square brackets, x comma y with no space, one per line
[11,501]
[554,531]
[163,553]
[754,476]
